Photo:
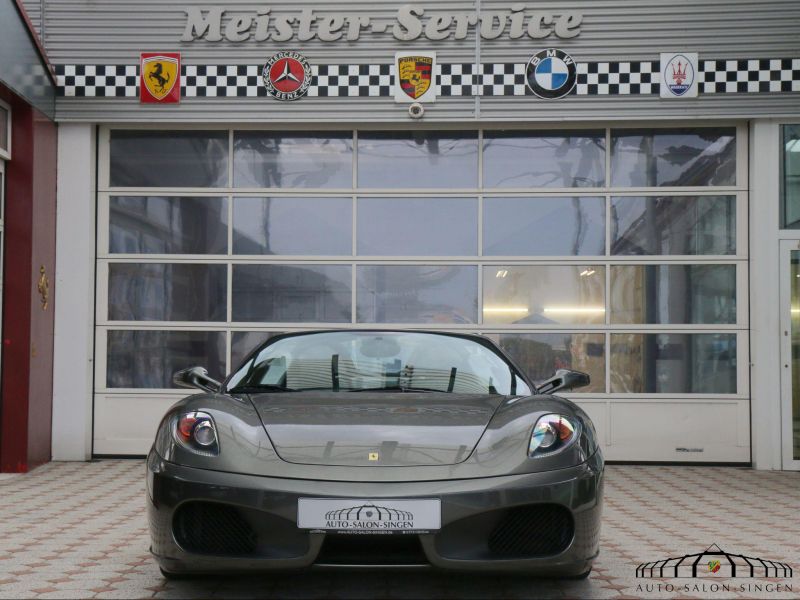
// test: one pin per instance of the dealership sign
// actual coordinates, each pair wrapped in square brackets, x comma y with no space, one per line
[411,22]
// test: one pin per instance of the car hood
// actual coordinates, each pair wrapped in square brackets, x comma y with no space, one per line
[375,428]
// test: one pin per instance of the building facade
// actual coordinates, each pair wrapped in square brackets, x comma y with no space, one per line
[594,185]
[27,242]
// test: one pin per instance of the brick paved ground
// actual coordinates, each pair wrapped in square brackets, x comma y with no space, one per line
[79,530]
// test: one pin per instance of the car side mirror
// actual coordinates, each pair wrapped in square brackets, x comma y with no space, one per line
[196,377]
[564,379]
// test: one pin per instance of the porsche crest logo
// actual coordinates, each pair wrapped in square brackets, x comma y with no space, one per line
[416,73]
[160,77]
[415,77]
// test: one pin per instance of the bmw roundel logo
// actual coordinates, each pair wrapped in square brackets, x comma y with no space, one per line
[551,74]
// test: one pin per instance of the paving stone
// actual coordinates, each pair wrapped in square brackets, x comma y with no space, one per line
[79,530]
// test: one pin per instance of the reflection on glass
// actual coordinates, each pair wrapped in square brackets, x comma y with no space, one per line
[525,159]
[292,160]
[673,157]
[147,359]
[168,225]
[790,177]
[166,292]
[147,158]
[544,226]
[673,225]
[418,226]
[540,355]
[673,363]
[544,294]
[304,226]
[417,159]
[673,294]
[244,342]
[417,294]
[292,293]
[794,278]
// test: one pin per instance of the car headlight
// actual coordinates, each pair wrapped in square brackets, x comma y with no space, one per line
[551,434]
[196,431]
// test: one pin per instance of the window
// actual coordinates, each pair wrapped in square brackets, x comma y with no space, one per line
[285,225]
[673,225]
[168,225]
[544,295]
[419,159]
[673,363]
[542,226]
[673,158]
[144,158]
[673,294]
[790,176]
[417,226]
[517,159]
[615,251]
[5,132]
[417,294]
[277,160]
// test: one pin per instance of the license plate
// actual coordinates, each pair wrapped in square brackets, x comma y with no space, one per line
[365,516]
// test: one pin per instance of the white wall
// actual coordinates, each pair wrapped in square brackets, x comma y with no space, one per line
[765,365]
[75,266]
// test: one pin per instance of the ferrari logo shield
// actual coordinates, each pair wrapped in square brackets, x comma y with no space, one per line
[374,456]
[415,77]
[160,77]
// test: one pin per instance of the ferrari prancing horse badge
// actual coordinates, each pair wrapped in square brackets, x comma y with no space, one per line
[160,77]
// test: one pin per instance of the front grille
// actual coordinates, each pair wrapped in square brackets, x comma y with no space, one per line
[532,531]
[351,549]
[211,528]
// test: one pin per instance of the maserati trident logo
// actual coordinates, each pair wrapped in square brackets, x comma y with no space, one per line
[287,75]
[679,75]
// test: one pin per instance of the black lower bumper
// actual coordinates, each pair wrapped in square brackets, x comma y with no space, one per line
[540,523]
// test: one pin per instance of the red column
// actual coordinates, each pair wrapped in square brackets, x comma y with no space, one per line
[27,359]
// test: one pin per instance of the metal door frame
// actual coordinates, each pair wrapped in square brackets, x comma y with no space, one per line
[787,450]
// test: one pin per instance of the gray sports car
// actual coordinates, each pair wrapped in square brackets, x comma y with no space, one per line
[376,448]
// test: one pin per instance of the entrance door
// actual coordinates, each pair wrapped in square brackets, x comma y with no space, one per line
[790,353]
[2,238]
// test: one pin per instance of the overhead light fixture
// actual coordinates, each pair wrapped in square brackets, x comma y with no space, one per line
[577,310]
[501,273]
[506,309]
[587,272]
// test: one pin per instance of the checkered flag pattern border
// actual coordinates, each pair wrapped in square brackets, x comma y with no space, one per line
[456,79]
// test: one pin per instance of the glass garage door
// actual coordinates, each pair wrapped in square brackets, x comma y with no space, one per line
[616,251]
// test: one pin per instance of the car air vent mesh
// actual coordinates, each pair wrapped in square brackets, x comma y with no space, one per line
[532,531]
[211,528]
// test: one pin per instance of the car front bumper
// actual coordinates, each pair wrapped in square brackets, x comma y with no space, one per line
[471,509]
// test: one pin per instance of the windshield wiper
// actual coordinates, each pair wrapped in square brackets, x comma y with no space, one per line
[394,388]
[259,387]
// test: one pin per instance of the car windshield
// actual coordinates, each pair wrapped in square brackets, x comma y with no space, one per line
[392,361]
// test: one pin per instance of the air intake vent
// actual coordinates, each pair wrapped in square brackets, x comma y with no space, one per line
[210,528]
[532,531]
